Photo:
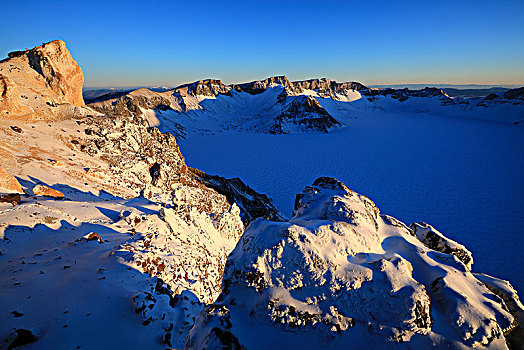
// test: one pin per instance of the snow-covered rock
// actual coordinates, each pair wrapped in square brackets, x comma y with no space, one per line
[435,240]
[277,105]
[137,247]
[339,273]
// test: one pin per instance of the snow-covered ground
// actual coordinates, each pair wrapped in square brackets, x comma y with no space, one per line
[461,175]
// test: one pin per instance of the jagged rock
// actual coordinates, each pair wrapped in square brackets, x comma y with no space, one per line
[514,94]
[503,289]
[92,236]
[208,87]
[404,94]
[257,87]
[36,83]
[9,183]
[304,113]
[42,190]
[325,87]
[339,273]
[435,240]
[252,205]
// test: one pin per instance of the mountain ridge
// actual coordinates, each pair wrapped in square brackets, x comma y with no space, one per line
[106,231]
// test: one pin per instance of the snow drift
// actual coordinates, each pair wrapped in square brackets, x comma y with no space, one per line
[340,273]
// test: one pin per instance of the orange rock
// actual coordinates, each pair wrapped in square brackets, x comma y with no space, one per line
[9,183]
[93,236]
[41,190]
[36,82]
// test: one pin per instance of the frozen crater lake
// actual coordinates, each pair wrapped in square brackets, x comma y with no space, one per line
[463,176]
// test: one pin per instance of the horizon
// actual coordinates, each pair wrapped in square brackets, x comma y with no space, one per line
[379,43]
[397,85]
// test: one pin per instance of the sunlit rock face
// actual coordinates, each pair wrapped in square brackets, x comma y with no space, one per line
[340,273]
[42,83]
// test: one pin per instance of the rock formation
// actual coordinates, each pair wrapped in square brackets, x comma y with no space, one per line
[171,225]
[8,183]
[139,244]
[38,83]
[340,273]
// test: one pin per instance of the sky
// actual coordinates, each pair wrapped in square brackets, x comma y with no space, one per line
[148,43]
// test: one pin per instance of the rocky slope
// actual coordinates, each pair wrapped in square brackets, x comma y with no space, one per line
[93,200]
[109,240]
[339,273]
[278,106]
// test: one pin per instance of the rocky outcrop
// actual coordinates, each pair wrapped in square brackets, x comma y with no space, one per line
[302,113]
[34,83]
[326,88]
[404,94]
[435,240]
[514,94]
[259,86]
[207,87]
[512,97]
[253,205]
[130,103]
[339,273]
[41,190]
[9,183]
[508,294]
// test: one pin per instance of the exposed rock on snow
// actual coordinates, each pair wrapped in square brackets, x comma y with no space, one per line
[276,105]
[41,190]
[257,87]
[19,338]
[327,88]
[506,292]
[252,204]
[166,233]
[404,94]
[514,94]
[208,87]
[338,273]
[303,113]
[40,82]
[8,183]
[435,240]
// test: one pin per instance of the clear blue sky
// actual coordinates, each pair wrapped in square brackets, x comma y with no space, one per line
[129,43]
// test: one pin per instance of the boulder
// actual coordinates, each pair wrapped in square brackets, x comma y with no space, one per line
[41,190]
[8,183]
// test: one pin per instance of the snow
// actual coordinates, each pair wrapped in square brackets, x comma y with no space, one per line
[461,175]
[338,270]
[102,268]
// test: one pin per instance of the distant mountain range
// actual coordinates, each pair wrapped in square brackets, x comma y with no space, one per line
[108,239]
[466,91]
[277,105]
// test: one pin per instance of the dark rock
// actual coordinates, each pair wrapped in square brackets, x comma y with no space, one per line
[252,204]
[17,314]
[10,198]
[305,112]
[19,338]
